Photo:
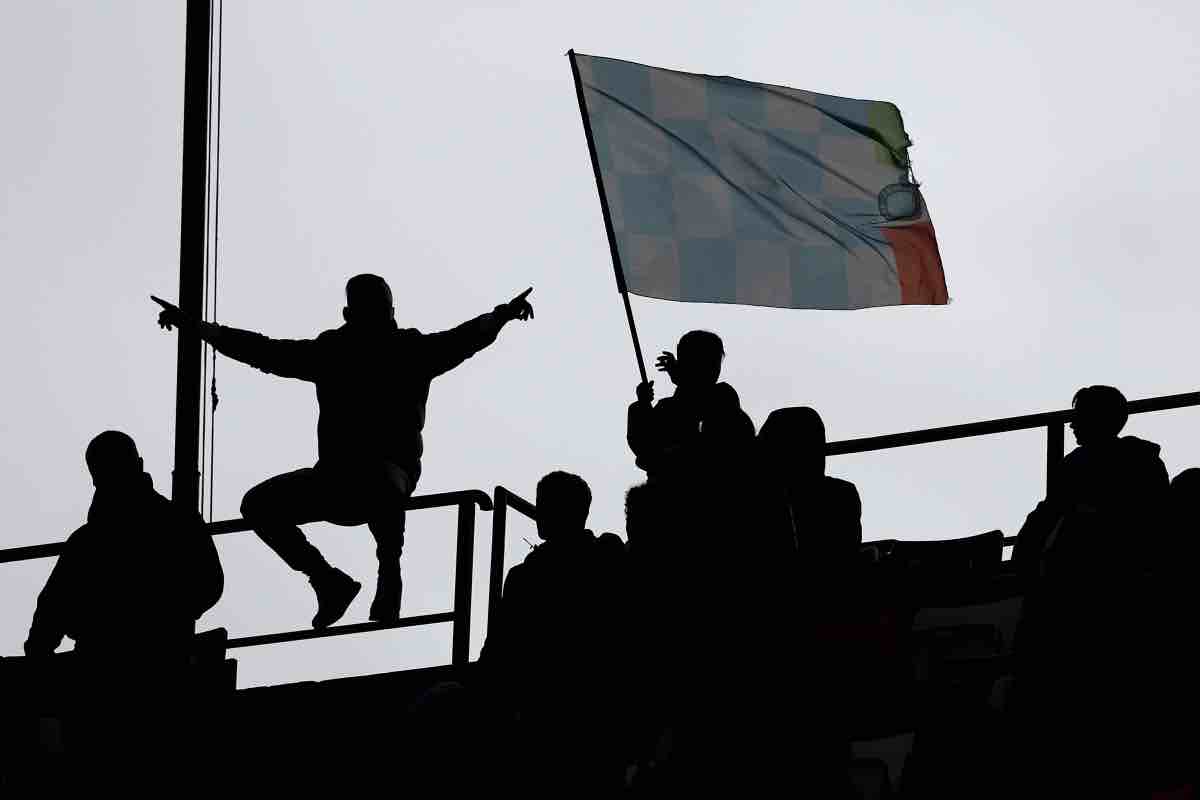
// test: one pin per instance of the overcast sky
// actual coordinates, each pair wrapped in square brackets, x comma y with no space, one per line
[439,145]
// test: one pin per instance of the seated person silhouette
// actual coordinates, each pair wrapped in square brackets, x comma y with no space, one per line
[136,576]
[1109,486]
[372,380]
[556,652]
[701,424]
[814,513]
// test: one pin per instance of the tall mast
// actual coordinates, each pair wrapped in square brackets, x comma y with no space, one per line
[185,483]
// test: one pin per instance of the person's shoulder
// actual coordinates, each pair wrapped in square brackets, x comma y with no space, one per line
[609,544]
[331,335]
[80,535]
[840,485]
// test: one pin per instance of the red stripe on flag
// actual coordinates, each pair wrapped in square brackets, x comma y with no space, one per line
[922,280]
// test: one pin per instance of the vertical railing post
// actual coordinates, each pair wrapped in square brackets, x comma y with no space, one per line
[496,570]
[1054,453]
[460,649]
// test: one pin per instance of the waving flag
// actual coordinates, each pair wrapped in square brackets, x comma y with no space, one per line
[723,191]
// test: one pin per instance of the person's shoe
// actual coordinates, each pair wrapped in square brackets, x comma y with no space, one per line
[335,592]
[386,605]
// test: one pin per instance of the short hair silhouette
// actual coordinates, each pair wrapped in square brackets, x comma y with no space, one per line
[368,298]
[793,439]
[1100,413]
[112,456]
[700,354]
[1187,483]
[641,510]
[563,503]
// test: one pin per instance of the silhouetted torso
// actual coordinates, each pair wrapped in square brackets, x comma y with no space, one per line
[704,426]
[372,382]
[138,574]
[561,617]
[1104,491]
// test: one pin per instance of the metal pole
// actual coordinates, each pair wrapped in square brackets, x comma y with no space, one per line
[185,484]
[460,651]
[499,532]
[1054,453]
[608,226]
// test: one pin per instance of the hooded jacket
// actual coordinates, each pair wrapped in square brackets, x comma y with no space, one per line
[1102,492]
[372,383]
[139,571]
[688,428]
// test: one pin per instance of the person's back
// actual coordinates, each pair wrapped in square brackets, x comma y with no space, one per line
[138,574]
[1109,498]
[557,654]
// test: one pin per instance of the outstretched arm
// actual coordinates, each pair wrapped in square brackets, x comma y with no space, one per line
[447,349]
[288,358]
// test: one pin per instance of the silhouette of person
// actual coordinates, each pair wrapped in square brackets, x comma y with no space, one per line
[702,423]
[557,650]
[137,575]
[819,515]
[372,381]
[1108,486]
[1080,639]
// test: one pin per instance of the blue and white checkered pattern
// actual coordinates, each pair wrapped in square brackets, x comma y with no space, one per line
[725,191]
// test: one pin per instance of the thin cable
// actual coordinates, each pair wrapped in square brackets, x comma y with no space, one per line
[207,256]
[212,430]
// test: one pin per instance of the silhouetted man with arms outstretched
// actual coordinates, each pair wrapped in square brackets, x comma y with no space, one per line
[372,379]
[137,576]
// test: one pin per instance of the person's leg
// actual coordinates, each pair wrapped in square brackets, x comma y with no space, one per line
[275,507]
[386,523]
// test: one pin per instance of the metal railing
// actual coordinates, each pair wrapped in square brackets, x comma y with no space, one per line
[459,616]
[502,500]
[1053,421]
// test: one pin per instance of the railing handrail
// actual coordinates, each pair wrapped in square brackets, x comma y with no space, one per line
[502,500]
[1001,425]
[466,501]
[437,500]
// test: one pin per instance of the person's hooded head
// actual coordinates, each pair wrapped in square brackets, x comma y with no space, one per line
[563,502]
[369,303]
[1100,414]
[791,444]
[113,461]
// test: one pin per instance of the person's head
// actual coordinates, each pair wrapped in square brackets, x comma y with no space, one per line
[1185,493]
[563,502]
[791,443]
[1100,414]
[641,511]
[112,459]
[699,356]
[368,301]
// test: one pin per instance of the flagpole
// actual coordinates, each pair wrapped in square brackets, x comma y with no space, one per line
[608,226]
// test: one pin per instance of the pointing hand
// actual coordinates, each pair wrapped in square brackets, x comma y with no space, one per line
[519,307]
[170,316]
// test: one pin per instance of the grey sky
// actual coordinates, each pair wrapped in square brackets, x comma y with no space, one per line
[440,145]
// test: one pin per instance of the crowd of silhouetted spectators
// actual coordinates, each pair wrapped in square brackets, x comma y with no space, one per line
[741,636]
